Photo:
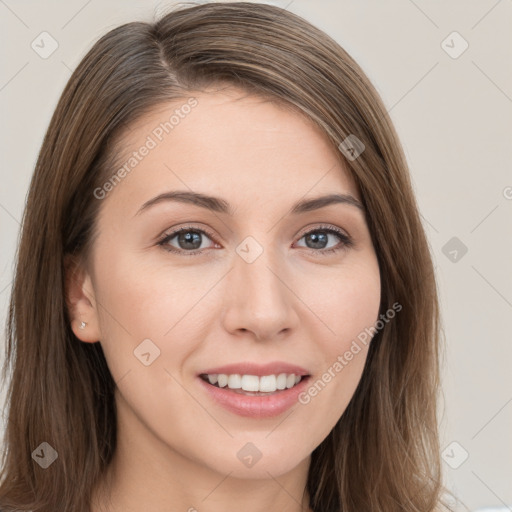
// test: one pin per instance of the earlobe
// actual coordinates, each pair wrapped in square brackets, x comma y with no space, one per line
[80,302]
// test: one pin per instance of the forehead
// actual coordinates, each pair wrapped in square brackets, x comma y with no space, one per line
[227,143]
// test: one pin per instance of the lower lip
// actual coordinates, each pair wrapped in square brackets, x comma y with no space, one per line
[256,406]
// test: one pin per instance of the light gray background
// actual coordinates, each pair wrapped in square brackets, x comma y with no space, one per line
[453,116]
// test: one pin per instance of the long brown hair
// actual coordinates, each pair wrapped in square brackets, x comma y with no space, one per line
[383,454]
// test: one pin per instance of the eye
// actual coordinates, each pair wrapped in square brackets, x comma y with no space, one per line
[189,240]
[318,238]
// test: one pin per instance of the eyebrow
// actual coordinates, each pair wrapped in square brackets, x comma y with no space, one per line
[218,205]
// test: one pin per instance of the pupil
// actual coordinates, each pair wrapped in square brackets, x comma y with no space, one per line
[188,238]
[315,238]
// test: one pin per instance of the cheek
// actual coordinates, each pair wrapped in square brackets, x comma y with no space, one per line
[139,299]
[349,310]
[348,304]
[354,307]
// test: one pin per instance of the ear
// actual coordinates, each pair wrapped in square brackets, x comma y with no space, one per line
[80,301]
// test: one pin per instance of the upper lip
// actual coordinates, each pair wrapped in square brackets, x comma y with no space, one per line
[248,368]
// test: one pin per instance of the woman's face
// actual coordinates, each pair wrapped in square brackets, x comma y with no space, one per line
[252,280]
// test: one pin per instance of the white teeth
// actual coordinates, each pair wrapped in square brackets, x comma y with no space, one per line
[234,381]
[266,383]
[250,383]
[281,381]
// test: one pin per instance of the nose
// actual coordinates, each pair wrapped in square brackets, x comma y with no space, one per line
[260,299]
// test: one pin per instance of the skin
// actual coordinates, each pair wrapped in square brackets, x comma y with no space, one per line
[175,446]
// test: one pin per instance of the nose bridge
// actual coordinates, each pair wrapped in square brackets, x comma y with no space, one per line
[258,269]
[259,299]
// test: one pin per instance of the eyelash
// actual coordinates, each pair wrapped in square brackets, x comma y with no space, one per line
[346,240]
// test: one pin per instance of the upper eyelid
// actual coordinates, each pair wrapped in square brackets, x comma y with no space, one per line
[326,227]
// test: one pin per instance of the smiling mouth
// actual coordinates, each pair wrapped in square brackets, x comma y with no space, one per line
[252,385]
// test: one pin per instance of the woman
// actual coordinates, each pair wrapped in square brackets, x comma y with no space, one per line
[223,292]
